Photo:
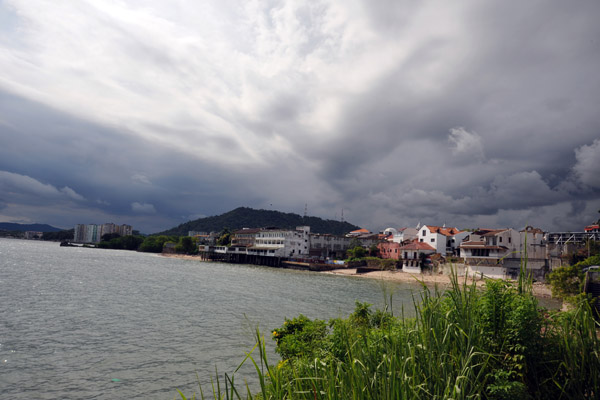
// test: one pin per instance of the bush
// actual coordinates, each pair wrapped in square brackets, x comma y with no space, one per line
[464,343]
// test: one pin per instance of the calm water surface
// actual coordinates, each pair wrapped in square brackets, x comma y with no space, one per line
[81,323]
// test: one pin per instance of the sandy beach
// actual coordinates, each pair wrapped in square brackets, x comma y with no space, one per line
[539,289]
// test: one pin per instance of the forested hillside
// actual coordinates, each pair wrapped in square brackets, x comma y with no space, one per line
[245,217]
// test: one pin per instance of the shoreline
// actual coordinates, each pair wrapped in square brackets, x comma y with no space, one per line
[539,289]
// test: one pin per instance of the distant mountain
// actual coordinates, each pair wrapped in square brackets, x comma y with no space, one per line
[245,217]
[9,226]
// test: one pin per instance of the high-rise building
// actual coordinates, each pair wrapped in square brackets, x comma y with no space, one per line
[92,233]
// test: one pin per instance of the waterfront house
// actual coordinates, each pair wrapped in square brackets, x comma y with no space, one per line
[245,237]
[282,242]
[328,246]
[499,253]
[389,249]
[412,254]
[484,251]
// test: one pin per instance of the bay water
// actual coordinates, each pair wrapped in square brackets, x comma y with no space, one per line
[83,323]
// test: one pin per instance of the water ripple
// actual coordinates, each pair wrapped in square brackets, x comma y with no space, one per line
[100,324]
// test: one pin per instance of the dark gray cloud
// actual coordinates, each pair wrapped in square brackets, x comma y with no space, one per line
[470,114]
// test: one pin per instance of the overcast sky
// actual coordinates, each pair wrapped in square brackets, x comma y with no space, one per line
[152,113]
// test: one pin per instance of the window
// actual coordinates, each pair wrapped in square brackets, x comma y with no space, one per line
[424,232]
[500,239]
[509,239]
[432,240]
[421,240]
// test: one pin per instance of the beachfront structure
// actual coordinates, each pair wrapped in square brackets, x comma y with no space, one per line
[444,240]
[412,254]
[283,242]
[499,253]
[244,237]
[294,243]
[330,246]
[485,250]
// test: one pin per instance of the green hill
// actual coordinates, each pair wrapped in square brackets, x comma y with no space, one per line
[10,226]
[245,217]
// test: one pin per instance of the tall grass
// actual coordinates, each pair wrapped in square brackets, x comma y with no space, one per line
[463,343]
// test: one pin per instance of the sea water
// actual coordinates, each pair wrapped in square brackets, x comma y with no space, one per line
[83,323]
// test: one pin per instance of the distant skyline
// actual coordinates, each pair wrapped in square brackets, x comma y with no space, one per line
[153,113]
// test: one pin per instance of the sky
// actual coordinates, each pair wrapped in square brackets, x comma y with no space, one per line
[383,113]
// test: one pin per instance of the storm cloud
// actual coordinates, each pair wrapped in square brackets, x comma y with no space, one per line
[398,112]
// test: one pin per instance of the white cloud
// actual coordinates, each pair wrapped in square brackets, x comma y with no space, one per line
[12,184]
[139,178]
[587,167]
[143,208]
[466,144]
[72,194]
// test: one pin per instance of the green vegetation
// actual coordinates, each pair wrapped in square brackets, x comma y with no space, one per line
[115,241]
[356,253]
[244,217]
[149,244]
[465,343]
[186,245]
[59,236]
[10,226]
[567,282]
[224,238]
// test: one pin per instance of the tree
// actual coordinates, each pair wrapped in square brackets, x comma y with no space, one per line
[566,282]
[186,245]
[154,244]
[356,252]
[374,250]
[107,237]
[224,237]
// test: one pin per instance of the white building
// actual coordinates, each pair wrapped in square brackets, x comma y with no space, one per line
[411,255]
[499,253]
[444,240]
[282,242]
[401,235]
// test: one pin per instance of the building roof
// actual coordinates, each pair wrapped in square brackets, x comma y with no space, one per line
[248,231]
[492,232]
[531,229]
[443,230]
[415,245]
[361,231]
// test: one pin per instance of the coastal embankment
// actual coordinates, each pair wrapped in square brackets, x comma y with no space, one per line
[441,280]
